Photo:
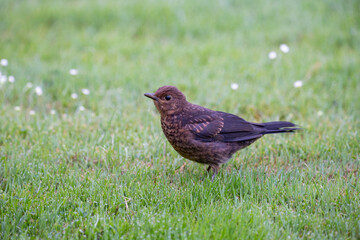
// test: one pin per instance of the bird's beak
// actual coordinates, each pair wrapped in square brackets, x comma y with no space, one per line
[152,96]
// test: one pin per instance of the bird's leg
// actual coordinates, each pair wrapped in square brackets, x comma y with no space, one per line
[215,169]
[208,170]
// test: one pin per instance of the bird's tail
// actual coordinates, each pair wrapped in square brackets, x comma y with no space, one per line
[279,127]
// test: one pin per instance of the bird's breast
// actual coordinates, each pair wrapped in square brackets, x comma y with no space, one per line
[171,127]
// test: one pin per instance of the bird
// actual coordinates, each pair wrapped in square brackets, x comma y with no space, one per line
[204,135]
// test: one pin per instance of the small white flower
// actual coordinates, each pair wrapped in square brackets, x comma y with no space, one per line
[32,112]
[81,108]
[320,113]
[29,85]
[11,79]
[3,79]
[272,55]
[73,72]
[17,108]
[234,86]
[52,112]
[74,96]
[38,91]
[298,84]
[4,62]
[85,91]
[284,48]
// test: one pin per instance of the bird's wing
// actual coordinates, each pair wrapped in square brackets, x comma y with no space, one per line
[205,127]
[225,127]
[236,129]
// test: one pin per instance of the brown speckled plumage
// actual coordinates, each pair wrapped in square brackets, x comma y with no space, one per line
[206,136]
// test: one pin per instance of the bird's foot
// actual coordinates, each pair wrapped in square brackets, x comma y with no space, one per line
[215,169]
[213,177]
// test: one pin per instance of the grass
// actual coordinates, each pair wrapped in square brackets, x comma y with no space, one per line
[108,172]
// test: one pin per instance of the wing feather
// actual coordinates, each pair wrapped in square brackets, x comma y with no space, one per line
[205,126]
[224,127]
[237,129]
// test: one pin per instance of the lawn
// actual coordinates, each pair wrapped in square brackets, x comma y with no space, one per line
[82,153]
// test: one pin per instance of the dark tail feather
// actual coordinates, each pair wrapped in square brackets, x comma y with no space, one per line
[279,127]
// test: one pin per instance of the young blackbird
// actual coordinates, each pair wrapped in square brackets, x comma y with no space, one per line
[206,136]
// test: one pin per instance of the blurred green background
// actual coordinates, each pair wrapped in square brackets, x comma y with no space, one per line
[98,166]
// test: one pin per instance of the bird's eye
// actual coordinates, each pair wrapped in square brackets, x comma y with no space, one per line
[168,97]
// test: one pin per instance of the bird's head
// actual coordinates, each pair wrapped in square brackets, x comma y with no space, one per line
[168,100]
